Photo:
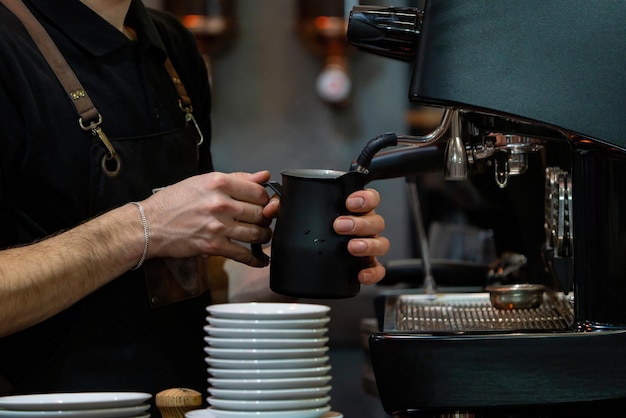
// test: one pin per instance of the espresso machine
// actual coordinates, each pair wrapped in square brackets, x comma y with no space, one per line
[518,82]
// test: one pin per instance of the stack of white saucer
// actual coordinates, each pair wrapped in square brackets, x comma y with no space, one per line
[81,404]
[268,360]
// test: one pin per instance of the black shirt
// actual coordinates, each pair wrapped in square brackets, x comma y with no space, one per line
[112,339]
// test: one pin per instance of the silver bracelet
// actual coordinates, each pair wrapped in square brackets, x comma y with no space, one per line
[146,234]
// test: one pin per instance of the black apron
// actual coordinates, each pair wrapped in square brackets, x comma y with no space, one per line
[146,164]
[114,339]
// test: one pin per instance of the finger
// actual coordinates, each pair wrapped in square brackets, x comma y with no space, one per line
[238,252]
[240,186]
[363,201]
[270,210]
[247,233]
[368,247]
[373,274]
[258,177]
[368,225]
[237,199]
[250,214]
[246,191]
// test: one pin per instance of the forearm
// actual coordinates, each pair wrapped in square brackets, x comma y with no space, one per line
[39,280]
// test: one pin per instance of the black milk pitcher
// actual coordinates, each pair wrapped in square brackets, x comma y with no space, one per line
[309,259]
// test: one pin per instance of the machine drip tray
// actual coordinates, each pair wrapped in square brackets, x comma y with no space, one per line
[455,352]
[473,312]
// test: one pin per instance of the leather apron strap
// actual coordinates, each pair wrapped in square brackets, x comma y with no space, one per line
[89,117]
[83,104]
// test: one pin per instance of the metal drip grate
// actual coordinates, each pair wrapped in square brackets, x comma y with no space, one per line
[473,312]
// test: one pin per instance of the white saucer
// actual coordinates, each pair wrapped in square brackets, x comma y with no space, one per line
[268,373]
[268,323]
[265,342]
[284,363]
[265,353]
[301,413]
[200,413]
[262,310]
[67,401]
[267,405]
[124,412]
[265,332]
[288,383]
[261,394]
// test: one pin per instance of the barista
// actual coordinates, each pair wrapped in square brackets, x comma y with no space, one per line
[74,311]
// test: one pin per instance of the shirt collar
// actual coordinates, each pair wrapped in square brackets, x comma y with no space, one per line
[97,36]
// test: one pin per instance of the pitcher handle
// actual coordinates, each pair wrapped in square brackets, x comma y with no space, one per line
[257,249]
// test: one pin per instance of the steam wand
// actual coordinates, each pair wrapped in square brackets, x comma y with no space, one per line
[391,139]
